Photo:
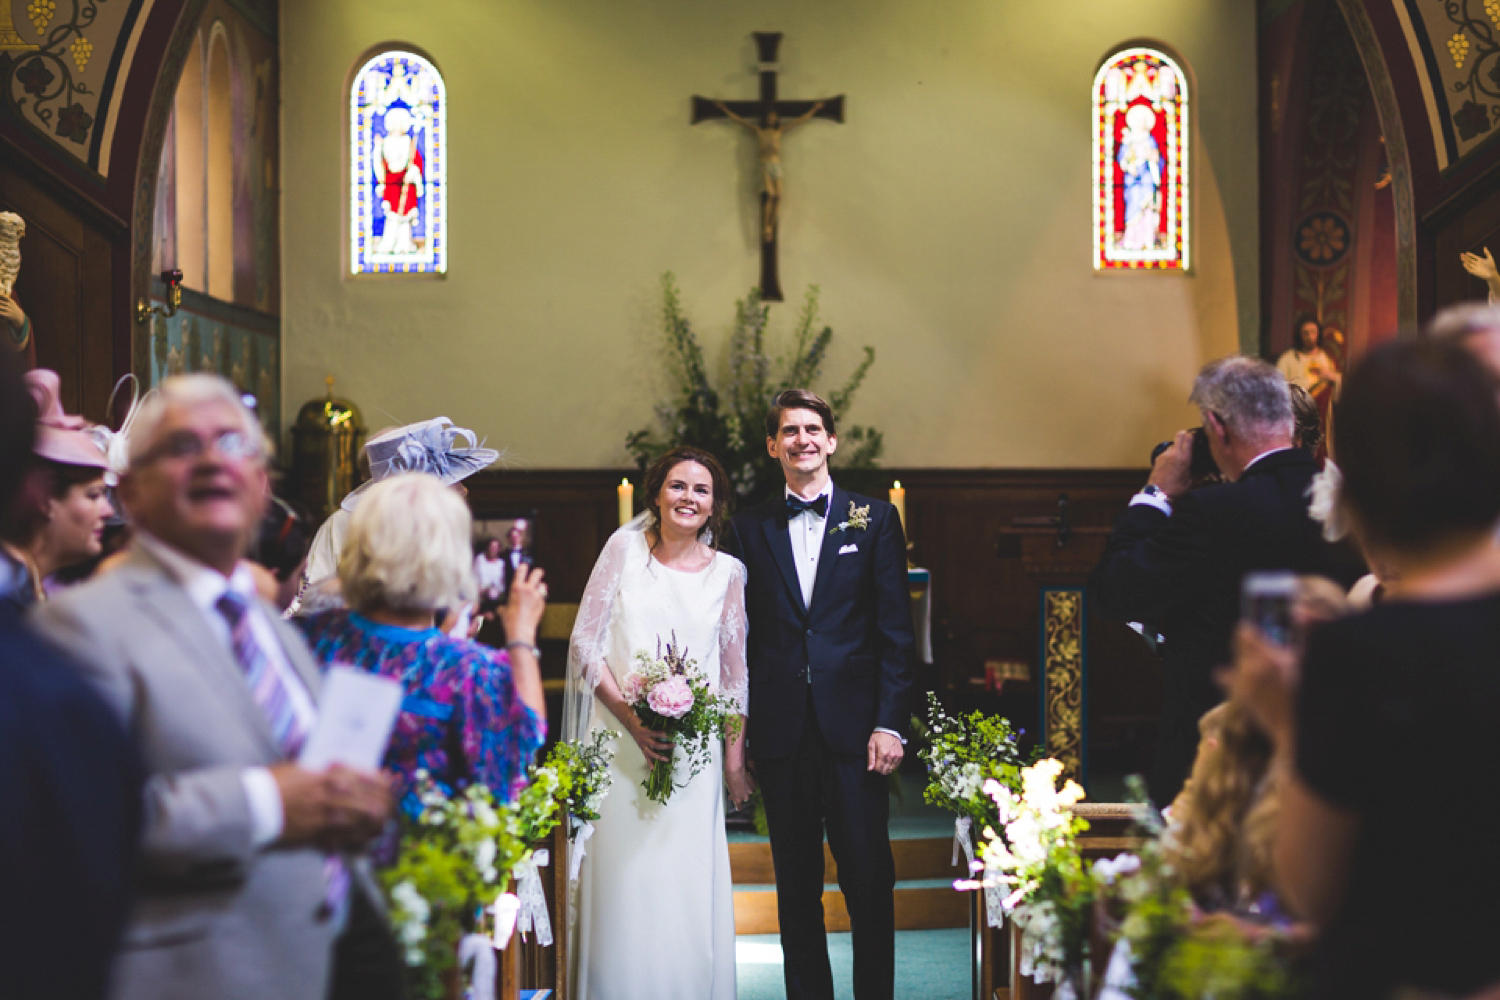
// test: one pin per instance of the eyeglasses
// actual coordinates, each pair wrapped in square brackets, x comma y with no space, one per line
[185,445]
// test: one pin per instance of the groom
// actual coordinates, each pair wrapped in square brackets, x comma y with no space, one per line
[830,651]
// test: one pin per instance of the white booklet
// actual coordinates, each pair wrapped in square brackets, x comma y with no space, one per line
[355,716]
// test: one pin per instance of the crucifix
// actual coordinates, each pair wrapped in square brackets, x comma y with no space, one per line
[769,119]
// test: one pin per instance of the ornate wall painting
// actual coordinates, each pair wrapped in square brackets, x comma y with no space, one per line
[398,111]
[1141,180]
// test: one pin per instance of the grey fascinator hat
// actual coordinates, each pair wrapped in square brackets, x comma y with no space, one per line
[434,446]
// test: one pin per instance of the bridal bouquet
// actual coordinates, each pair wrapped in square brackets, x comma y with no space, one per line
[671,695]
[1032,854]
[456,857]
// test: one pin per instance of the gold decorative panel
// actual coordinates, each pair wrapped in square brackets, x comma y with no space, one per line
[1063,677]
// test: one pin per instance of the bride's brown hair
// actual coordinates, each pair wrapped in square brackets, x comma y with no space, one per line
[656,478]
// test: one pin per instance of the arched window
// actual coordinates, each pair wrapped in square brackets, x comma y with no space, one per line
[1141,193]
[398,148]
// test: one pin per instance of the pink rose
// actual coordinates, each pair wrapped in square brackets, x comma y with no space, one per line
[633,688]
[671,698]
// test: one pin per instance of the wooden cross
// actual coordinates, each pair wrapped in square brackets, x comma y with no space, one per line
[769,119]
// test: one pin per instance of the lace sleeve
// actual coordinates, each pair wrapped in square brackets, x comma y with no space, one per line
[590,639]
[734,675]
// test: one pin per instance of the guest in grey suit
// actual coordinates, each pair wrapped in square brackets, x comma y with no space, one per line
[247,887]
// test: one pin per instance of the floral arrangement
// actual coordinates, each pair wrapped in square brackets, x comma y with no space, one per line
[586,764]
[671,695]
[962,753]
[1033,854]
[729,421]
[456,858]
[1168,949]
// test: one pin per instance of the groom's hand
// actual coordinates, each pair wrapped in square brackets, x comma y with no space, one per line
[885,752]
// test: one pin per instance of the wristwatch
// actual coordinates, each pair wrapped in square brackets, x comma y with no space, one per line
[1152,490]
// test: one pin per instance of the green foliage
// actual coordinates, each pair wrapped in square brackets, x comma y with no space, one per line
[961,754]
[710,718]
[730,423]
[456,856]
[1179,954]
[586,766]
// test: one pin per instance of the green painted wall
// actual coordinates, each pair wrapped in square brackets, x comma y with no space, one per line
[947,221]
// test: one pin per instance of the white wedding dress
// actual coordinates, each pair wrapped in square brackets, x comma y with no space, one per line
[654,907]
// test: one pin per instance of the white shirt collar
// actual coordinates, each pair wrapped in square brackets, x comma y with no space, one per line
[203,584]
[1257,458]
[827,491]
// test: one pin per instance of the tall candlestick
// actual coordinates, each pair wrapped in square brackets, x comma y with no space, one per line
[898,500]
[627,500]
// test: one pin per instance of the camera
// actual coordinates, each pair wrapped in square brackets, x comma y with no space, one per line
[1202,463]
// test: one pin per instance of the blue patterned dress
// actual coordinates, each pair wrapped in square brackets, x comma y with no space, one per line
[462,720]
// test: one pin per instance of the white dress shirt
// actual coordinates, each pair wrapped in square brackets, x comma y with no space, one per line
[807,530]
[204,587]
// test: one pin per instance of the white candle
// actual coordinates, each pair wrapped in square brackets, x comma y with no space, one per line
[898,500]
[627,501]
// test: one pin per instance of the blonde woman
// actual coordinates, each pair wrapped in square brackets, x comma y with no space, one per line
[471,713]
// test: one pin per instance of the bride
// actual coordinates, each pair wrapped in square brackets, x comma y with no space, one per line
[655,911]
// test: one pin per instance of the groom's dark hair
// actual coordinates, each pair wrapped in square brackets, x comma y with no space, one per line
[798,399]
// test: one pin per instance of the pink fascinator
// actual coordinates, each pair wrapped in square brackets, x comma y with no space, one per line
[60,437]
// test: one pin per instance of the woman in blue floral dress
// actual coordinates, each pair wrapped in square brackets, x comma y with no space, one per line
[471,713]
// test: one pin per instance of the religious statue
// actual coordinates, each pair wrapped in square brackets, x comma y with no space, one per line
[1140,163]
[768,136]
[397,163]
[17,328]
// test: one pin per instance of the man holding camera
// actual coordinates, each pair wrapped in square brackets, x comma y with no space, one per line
[1177,555]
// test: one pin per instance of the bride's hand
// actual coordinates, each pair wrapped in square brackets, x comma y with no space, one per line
[654,745]
[741,785]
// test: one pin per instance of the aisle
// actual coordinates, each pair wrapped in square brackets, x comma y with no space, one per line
[930,965]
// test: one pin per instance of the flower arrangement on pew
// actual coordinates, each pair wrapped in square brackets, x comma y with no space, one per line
[1031,854]
[962,753]
[1166,948]
[587,763]
[671,695]
[456,858]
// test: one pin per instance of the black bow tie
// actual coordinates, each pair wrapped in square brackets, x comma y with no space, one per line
[796,505]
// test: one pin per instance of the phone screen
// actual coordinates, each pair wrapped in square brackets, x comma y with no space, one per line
[1266,602]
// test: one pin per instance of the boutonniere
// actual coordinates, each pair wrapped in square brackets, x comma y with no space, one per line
[859,519]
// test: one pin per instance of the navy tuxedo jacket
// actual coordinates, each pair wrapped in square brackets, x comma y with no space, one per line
[855,641]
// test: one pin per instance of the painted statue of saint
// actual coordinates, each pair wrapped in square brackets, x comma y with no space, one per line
[1140,163]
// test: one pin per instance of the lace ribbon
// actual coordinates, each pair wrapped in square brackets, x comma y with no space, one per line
[582,831]
[533,915]
[479,950]
[994,898]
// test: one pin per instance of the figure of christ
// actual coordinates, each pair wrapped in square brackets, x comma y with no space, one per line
[768,136]
[398,169]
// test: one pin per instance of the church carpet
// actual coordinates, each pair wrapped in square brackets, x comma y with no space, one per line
[930,965]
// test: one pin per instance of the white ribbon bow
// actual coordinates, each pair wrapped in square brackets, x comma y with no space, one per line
[582,831]
[533,899]
[479,950]
[505,908]
[994,900]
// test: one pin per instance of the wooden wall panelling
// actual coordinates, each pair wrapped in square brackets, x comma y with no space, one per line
[65,286]
[1469,221]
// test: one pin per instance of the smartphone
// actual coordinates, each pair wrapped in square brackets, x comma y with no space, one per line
[1266,602]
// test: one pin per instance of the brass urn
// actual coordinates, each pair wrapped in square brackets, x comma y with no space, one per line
[326,443]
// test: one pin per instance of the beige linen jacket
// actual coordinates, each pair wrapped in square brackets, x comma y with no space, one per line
[215,918]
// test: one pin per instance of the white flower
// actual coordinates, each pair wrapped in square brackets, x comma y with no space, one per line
[1324,506]
[1110,869]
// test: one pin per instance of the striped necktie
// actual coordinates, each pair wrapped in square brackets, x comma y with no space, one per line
[268,688]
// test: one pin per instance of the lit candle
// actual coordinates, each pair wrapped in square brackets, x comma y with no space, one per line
[898,500]
[627,501]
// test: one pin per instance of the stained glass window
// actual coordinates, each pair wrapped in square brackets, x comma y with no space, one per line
[398,147]
[1140,162]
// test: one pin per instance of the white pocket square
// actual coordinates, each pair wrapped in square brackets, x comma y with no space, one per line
[848,548]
